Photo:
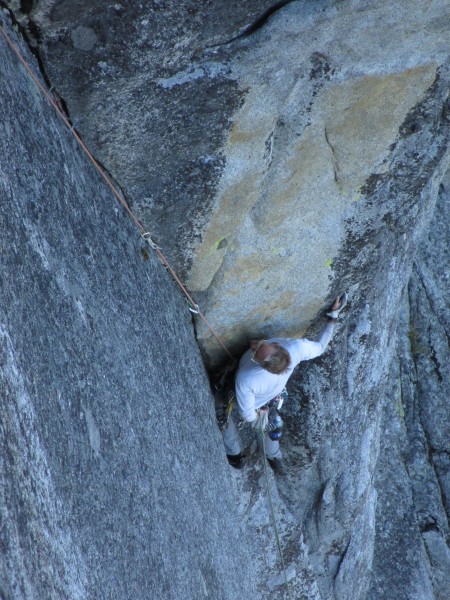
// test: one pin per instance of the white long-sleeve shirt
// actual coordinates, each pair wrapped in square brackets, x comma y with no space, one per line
[255,386]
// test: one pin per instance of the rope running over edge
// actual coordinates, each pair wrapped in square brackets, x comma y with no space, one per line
[148,239]
[112,187]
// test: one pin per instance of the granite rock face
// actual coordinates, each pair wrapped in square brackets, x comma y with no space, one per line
[107,426]
[368,440]
[243,133]
[413,474]
[279,153]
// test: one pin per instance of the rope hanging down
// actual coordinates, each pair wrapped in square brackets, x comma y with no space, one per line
[194,307]
[272,515]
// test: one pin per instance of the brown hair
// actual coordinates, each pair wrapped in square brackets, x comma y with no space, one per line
[278,362]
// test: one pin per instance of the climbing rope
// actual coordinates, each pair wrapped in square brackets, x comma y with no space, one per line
[272,513]
[146,235]
[193,307]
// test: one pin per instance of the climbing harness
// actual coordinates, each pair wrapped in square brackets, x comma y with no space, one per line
[272,514]
[277,402]
[145,234]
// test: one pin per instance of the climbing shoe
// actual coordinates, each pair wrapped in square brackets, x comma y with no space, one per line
[236,460]
[276,464]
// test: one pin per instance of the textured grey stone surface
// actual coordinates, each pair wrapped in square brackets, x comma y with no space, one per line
[414,498]
[216,138]
[162,111]
[88,325]
[113,482]
[340,428]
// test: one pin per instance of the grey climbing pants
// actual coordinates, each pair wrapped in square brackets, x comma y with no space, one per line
[232,442]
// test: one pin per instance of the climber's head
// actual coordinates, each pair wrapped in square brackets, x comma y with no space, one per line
[270,356]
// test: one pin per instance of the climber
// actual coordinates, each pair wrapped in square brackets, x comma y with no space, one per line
[260,380]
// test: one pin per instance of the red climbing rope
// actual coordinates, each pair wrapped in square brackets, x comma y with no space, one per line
[113,188]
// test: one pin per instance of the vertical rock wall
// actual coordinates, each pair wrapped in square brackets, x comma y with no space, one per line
[344,428]
[107,433]
[243,133]
[413,509]
[279,156]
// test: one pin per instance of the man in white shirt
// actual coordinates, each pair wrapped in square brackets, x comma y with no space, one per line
[261,377]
